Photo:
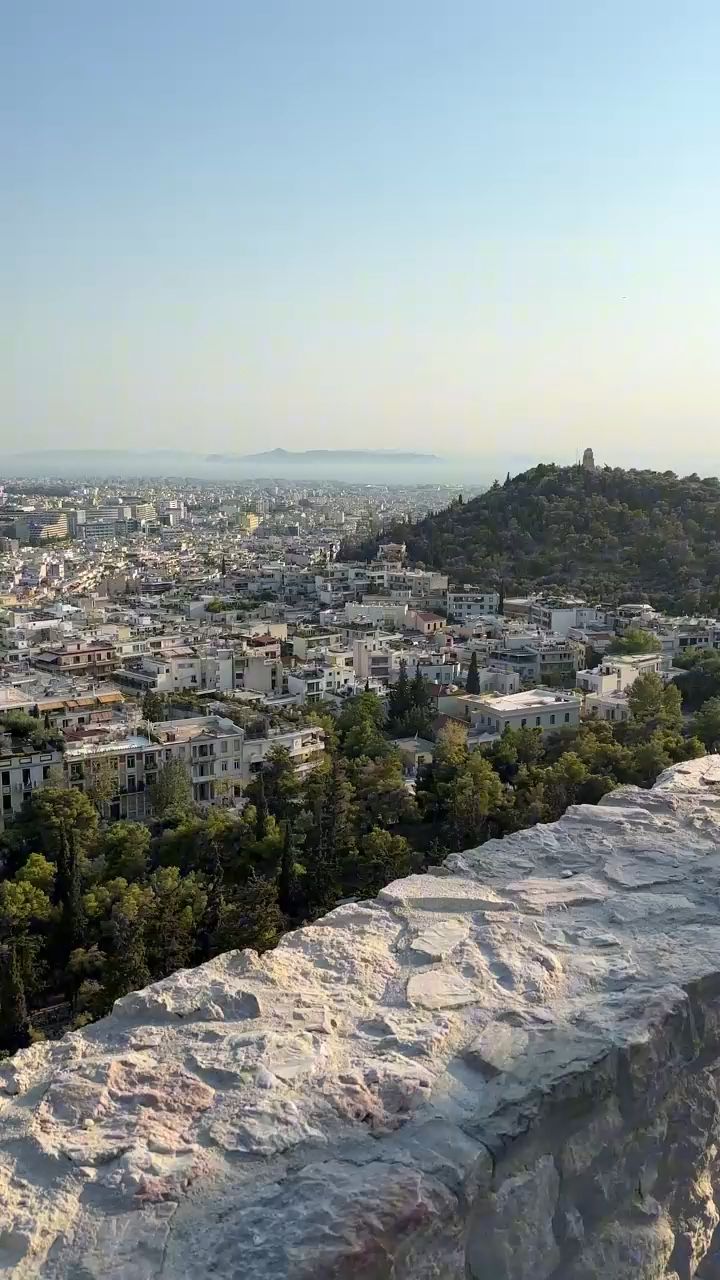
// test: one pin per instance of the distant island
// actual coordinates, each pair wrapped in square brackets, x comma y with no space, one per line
[305,457]
[356,465]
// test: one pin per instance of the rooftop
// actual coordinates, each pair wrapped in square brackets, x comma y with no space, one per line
[128,742]
[526,699]
[194,727]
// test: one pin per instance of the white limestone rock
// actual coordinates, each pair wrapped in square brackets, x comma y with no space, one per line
[496,1070]
[437,941]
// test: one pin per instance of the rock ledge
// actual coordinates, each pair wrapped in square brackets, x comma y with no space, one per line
[507,1070]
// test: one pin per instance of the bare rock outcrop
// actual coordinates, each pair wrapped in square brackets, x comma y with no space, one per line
[505,1070]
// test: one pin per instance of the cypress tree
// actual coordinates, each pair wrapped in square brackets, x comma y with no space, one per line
[400,696]
[472,684]
[215,899]
[261,809]
[14,1022]
[419,696]
[287,887]
[129,969]
[68,893]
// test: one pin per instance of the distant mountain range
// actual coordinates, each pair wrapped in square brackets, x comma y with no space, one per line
[306,457]
[353,465]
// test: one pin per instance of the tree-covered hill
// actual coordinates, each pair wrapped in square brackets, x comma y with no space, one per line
[639,534]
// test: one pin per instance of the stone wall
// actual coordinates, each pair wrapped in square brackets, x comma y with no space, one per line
[506,1070]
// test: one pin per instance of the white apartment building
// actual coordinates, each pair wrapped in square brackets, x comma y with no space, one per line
[257,673]
[435,668]
[182,668]
[617,674]
[559,616]
[312,684]
[21,773]
[372,659]
[611,705]
[545,709]
[219,757]
[312,640]
[687,635]
[378,611]
[468,602]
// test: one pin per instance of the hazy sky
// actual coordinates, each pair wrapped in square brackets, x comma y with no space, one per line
[468,226]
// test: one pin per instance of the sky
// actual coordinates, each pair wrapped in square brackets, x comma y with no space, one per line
[477,228]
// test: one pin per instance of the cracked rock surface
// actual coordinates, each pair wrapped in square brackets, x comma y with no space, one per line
[508,1069]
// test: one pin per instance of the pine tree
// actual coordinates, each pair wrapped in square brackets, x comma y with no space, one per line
[14,1022]
[501,601]
[222,566]
[472,684]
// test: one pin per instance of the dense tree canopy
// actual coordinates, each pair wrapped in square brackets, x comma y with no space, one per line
[91,910]
[639,534]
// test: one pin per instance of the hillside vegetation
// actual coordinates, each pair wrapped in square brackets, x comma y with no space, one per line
[637,534]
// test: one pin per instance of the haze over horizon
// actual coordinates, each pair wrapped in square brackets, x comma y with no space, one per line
[478,232]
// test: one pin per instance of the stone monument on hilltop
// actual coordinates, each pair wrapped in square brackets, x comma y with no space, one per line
[588,460]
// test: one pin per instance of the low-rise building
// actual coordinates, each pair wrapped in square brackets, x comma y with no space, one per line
[559,616]
[259,674]
[220,759]
[545,709]
[23,768]
[79,657]
[619,673]
[327,679]
[181,668]
[426,623]
[611,705]
[468,602]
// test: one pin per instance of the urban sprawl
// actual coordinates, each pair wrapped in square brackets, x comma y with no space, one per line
[202,624]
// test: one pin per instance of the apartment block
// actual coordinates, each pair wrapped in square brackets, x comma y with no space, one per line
[468,602]
[218,756]
[22,771]
[78,657]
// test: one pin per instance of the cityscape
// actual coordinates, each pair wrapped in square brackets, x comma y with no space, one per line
[196,662]
[360,641]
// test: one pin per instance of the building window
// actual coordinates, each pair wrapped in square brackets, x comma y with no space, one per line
[567,717]
[523,724]
[7,804]
[537,722]
[6,777]
[46,772]
[130,762]
[552,719]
